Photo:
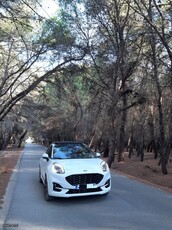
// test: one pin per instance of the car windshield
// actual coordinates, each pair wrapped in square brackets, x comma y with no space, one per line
[72,151]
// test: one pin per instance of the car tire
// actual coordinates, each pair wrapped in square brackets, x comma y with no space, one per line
[40,179]
[46,194]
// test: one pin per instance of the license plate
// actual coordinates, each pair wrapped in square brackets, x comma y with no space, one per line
[81,186]
[91,185]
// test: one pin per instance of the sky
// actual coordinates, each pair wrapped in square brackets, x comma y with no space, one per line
[49,8]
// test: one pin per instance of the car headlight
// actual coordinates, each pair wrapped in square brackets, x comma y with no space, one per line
[58,168]
[104,166]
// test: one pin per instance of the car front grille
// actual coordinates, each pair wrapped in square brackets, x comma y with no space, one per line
[81,179]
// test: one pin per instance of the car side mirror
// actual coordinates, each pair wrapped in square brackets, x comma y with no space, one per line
[98,155]
[45,156]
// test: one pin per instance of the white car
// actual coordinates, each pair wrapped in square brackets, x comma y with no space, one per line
[70,169]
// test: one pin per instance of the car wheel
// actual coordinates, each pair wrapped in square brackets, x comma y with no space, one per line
[40,179]
[46,194]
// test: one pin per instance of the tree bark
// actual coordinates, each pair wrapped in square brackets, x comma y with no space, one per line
[111,156]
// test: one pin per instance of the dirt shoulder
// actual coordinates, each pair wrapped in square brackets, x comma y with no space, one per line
[147,171]
[8,162]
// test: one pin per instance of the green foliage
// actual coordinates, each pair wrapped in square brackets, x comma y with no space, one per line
[56,33]
[66,3]
[68,88]
[15,19]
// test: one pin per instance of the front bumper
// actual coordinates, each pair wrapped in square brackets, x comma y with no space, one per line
[58,185]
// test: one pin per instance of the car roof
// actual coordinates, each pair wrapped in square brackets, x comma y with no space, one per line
[67,142]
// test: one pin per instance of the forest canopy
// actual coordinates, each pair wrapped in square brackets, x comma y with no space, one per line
[99,71]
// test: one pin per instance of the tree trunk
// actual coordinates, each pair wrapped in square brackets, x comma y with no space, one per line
[21,139]
[130,150]
[130,144]
[111,157]
[155,150]
[140,152]
[122,130]
[106,149]
[164,159]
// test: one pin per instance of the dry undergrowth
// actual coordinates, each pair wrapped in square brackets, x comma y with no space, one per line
[8,161]
[147,171]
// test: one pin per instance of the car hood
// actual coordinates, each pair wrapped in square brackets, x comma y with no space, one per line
[81,165]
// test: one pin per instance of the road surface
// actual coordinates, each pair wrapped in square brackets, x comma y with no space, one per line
[129,206]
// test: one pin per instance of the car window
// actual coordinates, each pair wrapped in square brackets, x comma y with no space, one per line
[72,151]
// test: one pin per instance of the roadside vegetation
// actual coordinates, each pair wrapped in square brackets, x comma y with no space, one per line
[99,71]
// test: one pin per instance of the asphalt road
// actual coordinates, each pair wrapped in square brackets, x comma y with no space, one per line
[130,205]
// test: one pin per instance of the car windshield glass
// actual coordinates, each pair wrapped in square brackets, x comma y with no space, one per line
[72,151]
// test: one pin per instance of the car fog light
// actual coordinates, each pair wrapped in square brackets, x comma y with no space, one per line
[107,183]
